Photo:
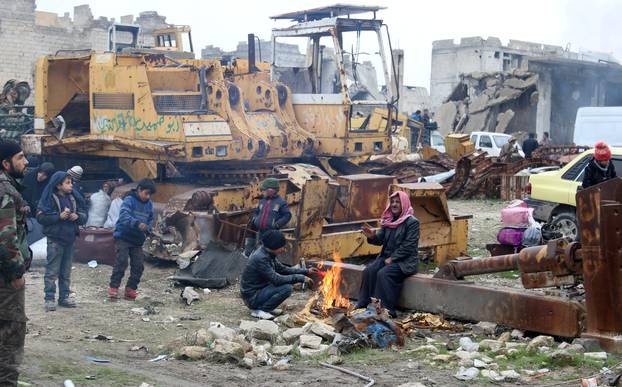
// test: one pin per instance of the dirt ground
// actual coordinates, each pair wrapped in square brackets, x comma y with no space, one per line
[58,343]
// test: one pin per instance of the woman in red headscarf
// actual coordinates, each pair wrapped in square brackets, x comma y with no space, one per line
[399,238]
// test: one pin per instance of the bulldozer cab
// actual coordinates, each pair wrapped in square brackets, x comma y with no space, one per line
[122,36]
[342,75]
[176,38]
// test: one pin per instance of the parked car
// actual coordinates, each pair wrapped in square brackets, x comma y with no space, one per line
[492,142]
[552,194]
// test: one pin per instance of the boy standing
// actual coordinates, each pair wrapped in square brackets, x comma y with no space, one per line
[271,214]
[60,212]
[134,223]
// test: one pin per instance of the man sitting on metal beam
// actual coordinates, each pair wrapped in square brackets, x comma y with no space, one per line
[399,238]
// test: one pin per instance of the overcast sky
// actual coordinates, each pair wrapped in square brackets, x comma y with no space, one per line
[581,24]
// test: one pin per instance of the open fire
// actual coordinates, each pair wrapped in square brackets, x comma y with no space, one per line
[330,288]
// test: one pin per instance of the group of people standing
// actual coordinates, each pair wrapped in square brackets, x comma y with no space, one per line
[52,203]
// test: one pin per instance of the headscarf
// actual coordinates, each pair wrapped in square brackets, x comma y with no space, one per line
[407,211]
[47,203]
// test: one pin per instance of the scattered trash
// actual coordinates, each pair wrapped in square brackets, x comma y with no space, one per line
[90,377]
[591,382]
[190,318]
[428,321]
[158,358]
[97,360]
[68,383]
[102,337]
[146,319]
[189,294]
[137,348]
[206,291]
[92,264]
[282,365]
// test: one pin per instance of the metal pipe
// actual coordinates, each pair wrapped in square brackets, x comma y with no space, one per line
[459,269]
[251,53]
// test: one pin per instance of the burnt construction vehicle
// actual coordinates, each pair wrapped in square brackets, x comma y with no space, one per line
[150,114]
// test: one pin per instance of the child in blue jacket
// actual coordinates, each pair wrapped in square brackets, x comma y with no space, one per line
[134,223]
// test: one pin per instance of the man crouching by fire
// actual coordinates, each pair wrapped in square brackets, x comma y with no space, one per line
[399,238]
[266,282]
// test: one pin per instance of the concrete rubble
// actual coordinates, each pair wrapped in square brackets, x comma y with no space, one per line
[493,102]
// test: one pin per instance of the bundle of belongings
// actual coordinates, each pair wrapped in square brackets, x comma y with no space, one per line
[519,227]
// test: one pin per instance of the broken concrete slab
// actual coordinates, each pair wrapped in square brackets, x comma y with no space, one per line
[325,331]
[265,330]
[224,351]
[467,374]
[478,103]
[281,350]
[310,341]
[203,338]
[306,352]
[446,117]
[493,345]
[503,120]
[477,122]
[219,331]
[292,334]
[540,341]
[193,352]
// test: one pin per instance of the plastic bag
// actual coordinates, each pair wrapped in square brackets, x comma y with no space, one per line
[510,236]
[100,203]
[532,236]
[113,213]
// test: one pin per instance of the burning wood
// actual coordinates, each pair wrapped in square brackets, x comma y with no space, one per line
[330,288]
[358,328]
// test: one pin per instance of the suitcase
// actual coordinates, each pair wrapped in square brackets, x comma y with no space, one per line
[95,243]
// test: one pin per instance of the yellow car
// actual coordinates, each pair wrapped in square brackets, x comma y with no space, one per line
[552,194]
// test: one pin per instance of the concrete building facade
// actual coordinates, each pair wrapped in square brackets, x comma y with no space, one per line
[476,54]
[27,34]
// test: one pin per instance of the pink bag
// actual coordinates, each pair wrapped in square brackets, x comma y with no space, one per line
[510,236]
[516,216]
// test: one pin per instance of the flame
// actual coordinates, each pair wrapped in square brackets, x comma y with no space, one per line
[330,287]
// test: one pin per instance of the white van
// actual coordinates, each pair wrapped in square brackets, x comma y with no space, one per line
[492,142]
[598,123]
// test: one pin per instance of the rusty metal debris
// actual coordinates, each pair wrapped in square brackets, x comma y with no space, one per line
[411,171]
[595,262]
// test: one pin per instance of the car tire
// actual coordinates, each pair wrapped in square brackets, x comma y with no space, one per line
[567,224]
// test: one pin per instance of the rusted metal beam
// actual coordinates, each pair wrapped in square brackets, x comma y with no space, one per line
[454,270]
[466,301]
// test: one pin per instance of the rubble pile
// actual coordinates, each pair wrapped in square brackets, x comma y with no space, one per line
[412,171]
[488,353]
[489,102]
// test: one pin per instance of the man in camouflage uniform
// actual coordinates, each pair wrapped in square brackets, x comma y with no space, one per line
[15,260]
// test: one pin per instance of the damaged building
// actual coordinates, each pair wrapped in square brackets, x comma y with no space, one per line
[480,85]
[28,33]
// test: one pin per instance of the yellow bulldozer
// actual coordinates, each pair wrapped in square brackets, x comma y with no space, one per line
[153,113]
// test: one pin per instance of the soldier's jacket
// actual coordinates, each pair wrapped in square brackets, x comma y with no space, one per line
[15,256]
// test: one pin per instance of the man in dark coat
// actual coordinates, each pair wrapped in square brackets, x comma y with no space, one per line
[399,238]
[530,145]
[600,168]
[266,282]
[34,183]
